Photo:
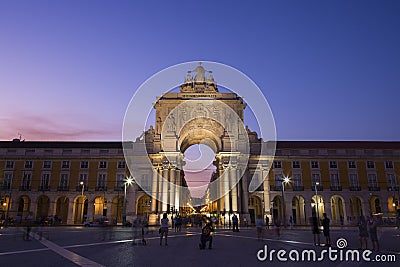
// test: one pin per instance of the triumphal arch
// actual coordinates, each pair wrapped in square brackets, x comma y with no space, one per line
[200,113]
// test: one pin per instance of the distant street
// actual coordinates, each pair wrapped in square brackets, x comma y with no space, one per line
[74,246]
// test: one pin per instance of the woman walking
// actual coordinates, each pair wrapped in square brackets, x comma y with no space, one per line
[164,229]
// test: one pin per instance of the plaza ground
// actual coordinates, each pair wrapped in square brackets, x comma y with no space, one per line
[74,246]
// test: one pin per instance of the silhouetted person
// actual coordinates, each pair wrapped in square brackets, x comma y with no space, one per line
[315,230]
[363,232]
[325,226]
[206,236]
[164,229]
[267,221]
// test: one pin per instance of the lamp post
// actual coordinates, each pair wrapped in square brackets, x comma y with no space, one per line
[127,182]
[284,181]
[317,202]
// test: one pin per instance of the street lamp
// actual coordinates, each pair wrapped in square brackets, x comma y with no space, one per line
[284,181]
[127,182]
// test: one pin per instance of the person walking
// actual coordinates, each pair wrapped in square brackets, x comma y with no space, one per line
[363,232]
[259,226]
[267,221]
[325,226]
[315,230]
[206,236]
[164,229]
[373,232]
[291,222]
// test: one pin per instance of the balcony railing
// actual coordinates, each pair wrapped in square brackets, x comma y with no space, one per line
[336,188]
[355,188]
[374,188]
[393,188]
[319,187]
[298,188]
[101,188]
[5,187]
[25,188]
[79,188]
[63,188]
[44,188]
[276,187]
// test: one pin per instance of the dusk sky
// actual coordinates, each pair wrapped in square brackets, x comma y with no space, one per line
[330,70]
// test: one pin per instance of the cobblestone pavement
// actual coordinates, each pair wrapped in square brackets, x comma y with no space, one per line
[79,246]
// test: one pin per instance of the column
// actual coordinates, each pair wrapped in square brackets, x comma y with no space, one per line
[159,192]
[172,187]
[245,189]
[164,193]
[70,211]
[177,192]
[154,190]
[90,211]
[226,189]
[233,185]
[267,201]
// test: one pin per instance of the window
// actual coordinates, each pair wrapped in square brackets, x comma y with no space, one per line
[370,165]
[296,164]
[372,180]
[333,164]
[103,164]
[26,181]
[121,164]
[316,177]
[296,179]
[353,179]
[83,177]
[335,182]
[65,164]
[389,164]
[28,164]
[64,181]
[352,164]
[120,180]
[7,181]
[45,181]
[84,164]
[314,164]
[277,164]
[46,164]
[278,181]
[9,164]
[101,180]
[391,180]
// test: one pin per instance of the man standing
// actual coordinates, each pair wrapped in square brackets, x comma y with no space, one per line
[267,221]
[325,226]
[235,222]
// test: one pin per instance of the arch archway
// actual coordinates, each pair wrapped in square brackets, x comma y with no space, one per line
[356,208]
[100,207]
[277,208]
[80,209]
[117,205]
[338,209]
[62,204]
[375,205]
[318,206]
[24,203]
[298,210]
[255,208]
[43,206]
[143,206]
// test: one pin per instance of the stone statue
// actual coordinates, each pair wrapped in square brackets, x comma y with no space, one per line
[201,73]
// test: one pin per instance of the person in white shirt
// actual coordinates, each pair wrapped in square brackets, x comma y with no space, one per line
[164,229]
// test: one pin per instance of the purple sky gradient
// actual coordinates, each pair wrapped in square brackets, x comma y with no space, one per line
[329,69]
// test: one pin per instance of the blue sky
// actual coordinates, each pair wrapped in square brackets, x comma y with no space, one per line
[329,69]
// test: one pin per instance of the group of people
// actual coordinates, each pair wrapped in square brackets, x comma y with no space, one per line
[368,228]
[206,233]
